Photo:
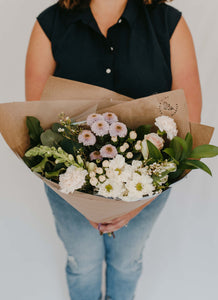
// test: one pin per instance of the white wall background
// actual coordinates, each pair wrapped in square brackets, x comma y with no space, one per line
[180,260]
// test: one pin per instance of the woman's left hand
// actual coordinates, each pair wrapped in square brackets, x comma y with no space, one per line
[119,222]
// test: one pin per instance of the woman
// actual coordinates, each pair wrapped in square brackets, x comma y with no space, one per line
[136,48]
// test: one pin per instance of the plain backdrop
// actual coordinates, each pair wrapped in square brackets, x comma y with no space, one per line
[180,257]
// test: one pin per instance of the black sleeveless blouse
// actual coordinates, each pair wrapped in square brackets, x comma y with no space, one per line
[133,60]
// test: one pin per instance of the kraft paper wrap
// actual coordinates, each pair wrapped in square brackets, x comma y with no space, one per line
[77,100]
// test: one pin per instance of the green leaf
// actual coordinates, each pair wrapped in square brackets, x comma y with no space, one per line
[35,130]
[142,130]
[175,145]
[181,142]
[171,153]
[154,152]
[189,142]
[197,164]
[204,151]
[175,175]
[50,138]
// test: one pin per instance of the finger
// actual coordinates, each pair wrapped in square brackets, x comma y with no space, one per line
[95,225]
[112,227]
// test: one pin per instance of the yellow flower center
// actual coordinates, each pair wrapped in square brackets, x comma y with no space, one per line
[108,187]
[118,170]
[138,186]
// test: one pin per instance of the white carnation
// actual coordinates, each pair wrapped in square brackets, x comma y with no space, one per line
[117,163]
[72,179]
[167,124]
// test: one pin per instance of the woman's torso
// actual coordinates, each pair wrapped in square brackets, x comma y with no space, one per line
[133,60]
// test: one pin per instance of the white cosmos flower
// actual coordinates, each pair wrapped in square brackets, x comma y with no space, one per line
[72,179]
[139,186]
[167,124]
[117,162]
[119,170]
[110,188]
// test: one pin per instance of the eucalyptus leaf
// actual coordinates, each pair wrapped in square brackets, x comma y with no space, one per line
[35,130]
[204,151]
[50,138]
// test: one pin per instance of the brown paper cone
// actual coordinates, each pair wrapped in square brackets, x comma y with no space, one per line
[73,101]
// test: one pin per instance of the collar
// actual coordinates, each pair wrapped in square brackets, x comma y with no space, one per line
[130,13]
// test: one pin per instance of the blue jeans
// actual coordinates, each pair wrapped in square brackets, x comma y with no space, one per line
[86,250]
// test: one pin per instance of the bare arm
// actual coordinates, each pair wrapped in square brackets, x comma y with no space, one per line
[185,69]
[40,63]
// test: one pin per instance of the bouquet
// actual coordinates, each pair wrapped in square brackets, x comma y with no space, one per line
[145,158]
[102,156]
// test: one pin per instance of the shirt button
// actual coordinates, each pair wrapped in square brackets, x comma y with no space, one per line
[120,20]
[112,48]
[108,70]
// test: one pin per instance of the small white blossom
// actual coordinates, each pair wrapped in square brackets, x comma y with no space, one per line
[129,155]
[105,163]
[114,139]
[122,149]
[133,135]
[99,171]
[138,146]
[101,178]
[92,174]
[93,181]
[126,145]
[91,166]
[60,129]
